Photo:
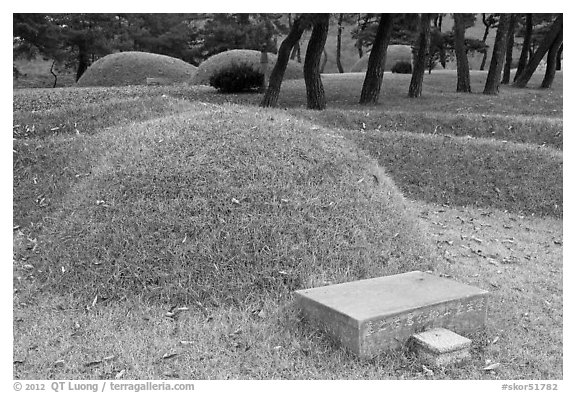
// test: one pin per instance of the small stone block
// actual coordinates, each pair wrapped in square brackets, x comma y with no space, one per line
[371,316]
[441,347]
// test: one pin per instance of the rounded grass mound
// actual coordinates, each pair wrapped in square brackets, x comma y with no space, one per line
[395,54]
[241,56]
[228,205]
[133,68]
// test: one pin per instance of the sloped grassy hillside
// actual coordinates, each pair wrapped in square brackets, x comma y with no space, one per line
[132,68]
[241,56]
[224,205]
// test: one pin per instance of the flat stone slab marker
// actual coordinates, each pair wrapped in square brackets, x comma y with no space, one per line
[441,347]
[371,316]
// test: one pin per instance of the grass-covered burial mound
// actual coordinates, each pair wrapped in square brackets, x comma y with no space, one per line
[133,68]
[241,56]
[226,205]
[394,54]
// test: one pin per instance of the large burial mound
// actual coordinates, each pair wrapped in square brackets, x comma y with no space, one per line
[227,205]
[394,54]
[241,56]
[134,68]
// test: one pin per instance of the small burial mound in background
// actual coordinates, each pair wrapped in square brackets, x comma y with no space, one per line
[133,68]
[227,205]
[241,56]
[395,54]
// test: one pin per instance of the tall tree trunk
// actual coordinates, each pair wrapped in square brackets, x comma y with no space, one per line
[462,67]
[525,47]
[423,45]
[54,74]
[360,42]
[270,98]
[509,48]
[484,37]
[544,46]
[440,22]
[497,62]
[314,90]
[551,61]
[339,45]
[83,59]
[295,47]
[559,58]
[376,61]
[484,58]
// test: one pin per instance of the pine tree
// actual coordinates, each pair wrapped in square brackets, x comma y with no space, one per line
[497,62]
[463,69]
[375,72]
[423,47]
[314,89]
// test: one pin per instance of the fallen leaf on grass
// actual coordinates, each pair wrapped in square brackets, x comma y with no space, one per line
[120,374]
[174,311]
[491,367]
[169,355]
[59,363]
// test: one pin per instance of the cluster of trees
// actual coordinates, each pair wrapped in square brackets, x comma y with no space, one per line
[389,28]
[76,40]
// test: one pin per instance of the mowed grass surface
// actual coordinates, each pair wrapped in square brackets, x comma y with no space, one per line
[460,171]
[260,336]
[221,204]
[519,261]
